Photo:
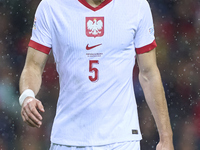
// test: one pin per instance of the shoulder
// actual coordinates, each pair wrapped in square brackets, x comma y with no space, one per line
[44,3]
[47,3]
[144,8]
[57,4]
[139,5]
[46,6]
[144,4]
[140,2]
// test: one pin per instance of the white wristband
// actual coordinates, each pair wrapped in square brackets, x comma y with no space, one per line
[25,94]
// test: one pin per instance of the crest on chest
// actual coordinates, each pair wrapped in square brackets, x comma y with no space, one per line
[94,26]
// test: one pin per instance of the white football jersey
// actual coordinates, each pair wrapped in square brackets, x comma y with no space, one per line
[94,50]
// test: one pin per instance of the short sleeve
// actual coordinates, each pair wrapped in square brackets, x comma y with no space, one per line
[41,35]
[144,38]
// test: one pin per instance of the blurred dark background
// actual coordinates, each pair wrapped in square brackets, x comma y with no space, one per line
[177,26]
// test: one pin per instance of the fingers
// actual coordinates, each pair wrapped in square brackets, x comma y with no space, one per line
[34,114]
[30,114]
[29,121]
[40,106]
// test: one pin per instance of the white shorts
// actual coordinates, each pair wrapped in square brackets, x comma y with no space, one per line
[132,145]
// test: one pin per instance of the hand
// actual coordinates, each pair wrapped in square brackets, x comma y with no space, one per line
[165,145]
[29,112]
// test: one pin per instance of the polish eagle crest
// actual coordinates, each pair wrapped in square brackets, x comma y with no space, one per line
[94,26]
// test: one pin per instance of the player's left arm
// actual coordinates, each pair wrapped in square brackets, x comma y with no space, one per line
[150,80]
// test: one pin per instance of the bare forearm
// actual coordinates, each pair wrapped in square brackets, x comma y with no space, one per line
[31,76]
[155,97]
[30,79]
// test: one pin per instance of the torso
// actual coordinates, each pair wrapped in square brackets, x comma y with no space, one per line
[94,51]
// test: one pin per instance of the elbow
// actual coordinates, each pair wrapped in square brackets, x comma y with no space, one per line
[147,76]
[143,78]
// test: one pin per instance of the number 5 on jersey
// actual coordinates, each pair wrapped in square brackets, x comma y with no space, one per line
[94,70]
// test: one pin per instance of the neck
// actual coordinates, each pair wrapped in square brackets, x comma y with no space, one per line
[94,3]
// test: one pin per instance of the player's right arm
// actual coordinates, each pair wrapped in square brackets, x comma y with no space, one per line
[31,78]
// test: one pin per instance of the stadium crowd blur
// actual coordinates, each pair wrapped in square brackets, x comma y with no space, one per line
[177,26]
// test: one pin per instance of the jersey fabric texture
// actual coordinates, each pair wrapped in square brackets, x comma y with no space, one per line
[94,51]
[133,145]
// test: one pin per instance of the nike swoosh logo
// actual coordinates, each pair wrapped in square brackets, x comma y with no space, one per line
[91,47]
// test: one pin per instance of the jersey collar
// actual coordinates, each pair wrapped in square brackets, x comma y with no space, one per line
[104,3]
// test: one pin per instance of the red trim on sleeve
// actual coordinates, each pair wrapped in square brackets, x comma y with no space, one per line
[39,47]
[146,48]
[104,3]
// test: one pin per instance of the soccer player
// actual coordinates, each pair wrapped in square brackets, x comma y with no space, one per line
[95,43]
